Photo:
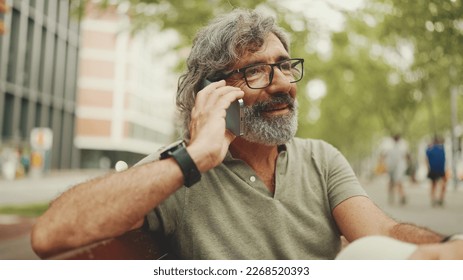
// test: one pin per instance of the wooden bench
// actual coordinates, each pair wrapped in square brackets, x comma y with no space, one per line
[139,244]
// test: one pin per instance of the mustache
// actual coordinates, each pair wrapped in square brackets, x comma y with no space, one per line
[276,99]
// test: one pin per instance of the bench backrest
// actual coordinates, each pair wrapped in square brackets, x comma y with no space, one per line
[139,244]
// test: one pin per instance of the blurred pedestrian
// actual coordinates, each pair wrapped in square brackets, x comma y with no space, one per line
[435,155]
[396,162]
[25,160]
[411,168]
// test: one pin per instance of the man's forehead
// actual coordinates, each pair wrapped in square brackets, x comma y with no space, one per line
[271,51]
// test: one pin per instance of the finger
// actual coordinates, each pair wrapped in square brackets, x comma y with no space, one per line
[226,98]
[219,99]
[229,136]
[213,105]
[211,87]
[208,92]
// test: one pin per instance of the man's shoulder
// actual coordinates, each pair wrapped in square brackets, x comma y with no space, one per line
[149,158]
[435,148]
[157,154]
[310,142]
[316,147]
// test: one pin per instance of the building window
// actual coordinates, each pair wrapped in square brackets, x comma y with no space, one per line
[14,47]
[7,131]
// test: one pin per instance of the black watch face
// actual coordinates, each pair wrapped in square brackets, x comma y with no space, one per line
[167,151]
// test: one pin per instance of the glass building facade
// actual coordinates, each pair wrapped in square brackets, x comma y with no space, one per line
[38,75]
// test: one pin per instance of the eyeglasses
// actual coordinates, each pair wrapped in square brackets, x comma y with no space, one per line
[260,76]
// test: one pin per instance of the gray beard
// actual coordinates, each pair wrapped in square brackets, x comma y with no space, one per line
[270,130]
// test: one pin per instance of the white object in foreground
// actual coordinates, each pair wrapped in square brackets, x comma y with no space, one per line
[377,248]
[121,166]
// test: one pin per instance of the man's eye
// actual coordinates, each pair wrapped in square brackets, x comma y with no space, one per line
[253,71]
[286,66]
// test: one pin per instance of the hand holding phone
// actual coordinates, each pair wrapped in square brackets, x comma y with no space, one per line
[235,115]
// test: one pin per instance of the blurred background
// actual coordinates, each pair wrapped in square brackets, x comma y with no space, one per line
[86,83]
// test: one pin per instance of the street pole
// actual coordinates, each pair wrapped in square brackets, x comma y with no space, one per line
[453,108]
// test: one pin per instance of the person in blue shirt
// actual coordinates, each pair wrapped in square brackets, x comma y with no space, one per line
[435,155]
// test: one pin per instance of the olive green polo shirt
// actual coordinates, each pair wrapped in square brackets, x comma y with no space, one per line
[230,214]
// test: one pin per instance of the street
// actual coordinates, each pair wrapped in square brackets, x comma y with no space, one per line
[14,231]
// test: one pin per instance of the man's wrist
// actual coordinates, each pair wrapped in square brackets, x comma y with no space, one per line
[189,169]
[179,153]
[202,159]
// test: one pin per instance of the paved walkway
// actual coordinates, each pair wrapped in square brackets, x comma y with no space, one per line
[14,231]
[15,238]
[41,189]
[418,210]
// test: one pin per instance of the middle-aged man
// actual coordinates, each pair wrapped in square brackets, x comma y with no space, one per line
[263,195]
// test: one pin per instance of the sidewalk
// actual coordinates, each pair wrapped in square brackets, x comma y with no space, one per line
[14,230]
[418,210]
[15,238]
[42,189]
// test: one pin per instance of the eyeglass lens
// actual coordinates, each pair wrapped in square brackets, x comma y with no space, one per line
[261,76]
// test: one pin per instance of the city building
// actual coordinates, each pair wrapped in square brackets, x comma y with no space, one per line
[82,94]
[126,90]
[38,69]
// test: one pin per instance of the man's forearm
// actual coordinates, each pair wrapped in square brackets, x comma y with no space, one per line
[104,207]
[414,234]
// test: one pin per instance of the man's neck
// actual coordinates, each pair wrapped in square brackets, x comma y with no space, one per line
[253,153]
[259,157]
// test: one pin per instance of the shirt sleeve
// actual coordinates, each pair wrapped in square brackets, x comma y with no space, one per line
[342,183]
[167,215]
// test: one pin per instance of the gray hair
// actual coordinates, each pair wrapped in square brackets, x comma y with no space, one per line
[217,48]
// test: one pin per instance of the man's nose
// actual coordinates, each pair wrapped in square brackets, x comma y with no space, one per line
[280,79]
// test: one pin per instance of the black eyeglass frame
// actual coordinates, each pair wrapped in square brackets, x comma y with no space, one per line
[278,64]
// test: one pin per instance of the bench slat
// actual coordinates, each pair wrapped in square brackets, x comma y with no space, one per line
[138,244]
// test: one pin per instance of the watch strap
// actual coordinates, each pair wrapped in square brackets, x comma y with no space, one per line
[166,152]
[177,150]
[189,169]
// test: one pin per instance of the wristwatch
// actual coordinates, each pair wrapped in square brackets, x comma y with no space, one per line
[452,238]
[177,150]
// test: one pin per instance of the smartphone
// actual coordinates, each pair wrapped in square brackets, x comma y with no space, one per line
[235,116]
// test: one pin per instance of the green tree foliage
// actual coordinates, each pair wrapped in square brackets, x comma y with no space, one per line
[435,30]
[391,71]
[187,17]
[184,16]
